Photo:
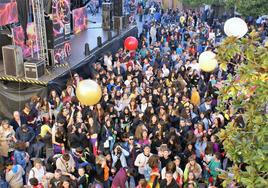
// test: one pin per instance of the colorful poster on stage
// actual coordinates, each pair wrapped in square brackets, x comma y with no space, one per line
[8,13]
[30,47]
[80,19]
[61,52]
[61,17]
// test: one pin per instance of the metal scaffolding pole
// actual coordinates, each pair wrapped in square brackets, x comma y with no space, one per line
[40,29]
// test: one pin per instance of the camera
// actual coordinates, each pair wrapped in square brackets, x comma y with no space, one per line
[118,150]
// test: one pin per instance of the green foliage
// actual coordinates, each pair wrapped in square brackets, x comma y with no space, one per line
[248,90]
[249,7]
[195,3]
[244,7]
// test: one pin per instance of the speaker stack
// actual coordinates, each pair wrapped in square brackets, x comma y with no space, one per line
[118,8]
[107,16]
[52,41]
[118,17]
[118,23]
[13,60]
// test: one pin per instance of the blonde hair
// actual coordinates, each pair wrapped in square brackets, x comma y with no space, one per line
[100,159]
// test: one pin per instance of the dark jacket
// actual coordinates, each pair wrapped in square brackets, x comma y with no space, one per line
[25,136]
[173,184]
[15,125]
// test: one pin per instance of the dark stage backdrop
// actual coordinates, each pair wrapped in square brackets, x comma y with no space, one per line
[13,96]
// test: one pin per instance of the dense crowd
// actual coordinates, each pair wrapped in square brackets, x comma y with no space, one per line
[155,126]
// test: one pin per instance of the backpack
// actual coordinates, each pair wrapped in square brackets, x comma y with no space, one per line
[51,163]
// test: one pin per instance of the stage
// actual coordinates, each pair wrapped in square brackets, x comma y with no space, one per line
[17,91]
[77,53]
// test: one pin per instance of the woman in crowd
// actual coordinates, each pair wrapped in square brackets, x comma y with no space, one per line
[7,139]
[38,171]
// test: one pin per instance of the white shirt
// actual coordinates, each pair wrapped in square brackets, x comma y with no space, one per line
[141,162]
[165,72]
[36,173]
[177,173]
[195,66]
[143,107]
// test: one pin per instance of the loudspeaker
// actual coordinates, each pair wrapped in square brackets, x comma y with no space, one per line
[4,41]
[118,23]
[13,60]
[52,41]
[99,41]
[34,68]
[126,21]
[118,7]
[87,50]
[107,16]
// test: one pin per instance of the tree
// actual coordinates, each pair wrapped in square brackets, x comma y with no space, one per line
[246,143]
[245,7]
[249,7]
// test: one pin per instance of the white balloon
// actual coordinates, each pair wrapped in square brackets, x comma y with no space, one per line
[226,28]
[207,61]
[207,55]
[236,27]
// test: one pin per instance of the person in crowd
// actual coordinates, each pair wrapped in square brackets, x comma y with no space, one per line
[169,181]
[14,174]
[33,182]
[38,171]
[119,155]
[67,165]
[194,167]
[121,177]
[82,180]
[151,172]
[17,120]
[142,160]
[21,157]
[57,178]
[7,139]
[212,168]
[59,136]
[25,134]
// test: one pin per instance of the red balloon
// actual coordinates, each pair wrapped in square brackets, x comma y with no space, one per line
[131,43]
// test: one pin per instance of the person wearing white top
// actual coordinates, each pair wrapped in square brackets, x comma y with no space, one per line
[153,34]
[143,105]
[195,66]
[142,159]
[108,62]
[165,71]
[38,171]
